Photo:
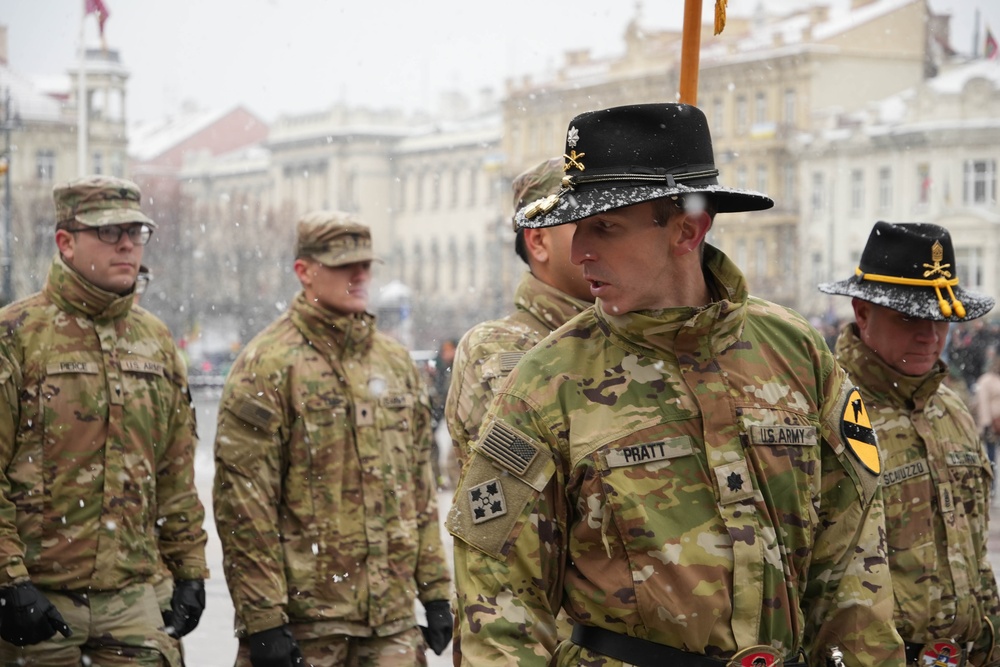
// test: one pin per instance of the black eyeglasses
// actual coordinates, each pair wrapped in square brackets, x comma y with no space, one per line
[139,234]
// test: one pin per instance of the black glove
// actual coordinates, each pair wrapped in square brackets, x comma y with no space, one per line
[27,616]
[186,606]
[440,625]
[274,648]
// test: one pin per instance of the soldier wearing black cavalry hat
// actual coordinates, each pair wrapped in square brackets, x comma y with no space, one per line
[936,478]
[671,467]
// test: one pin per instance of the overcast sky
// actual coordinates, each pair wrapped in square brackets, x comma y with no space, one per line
[294,56]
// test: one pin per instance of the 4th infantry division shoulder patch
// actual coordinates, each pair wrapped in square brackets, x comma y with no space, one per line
[859,436]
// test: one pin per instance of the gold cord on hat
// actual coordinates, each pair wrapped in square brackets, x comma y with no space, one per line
[937,283]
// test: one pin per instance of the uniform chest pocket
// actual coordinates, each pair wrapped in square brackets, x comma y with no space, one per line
[396,411]
[73,390]
[781,441]
[653,488]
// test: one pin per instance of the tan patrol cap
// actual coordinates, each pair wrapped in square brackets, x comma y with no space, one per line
[542,180]
[97,201]
[333,238]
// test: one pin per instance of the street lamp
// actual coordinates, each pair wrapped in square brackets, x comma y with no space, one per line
[9,121]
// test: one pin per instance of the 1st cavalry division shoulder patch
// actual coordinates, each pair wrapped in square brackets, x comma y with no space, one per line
[859,436]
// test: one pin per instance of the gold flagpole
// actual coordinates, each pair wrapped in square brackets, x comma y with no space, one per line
[691,46]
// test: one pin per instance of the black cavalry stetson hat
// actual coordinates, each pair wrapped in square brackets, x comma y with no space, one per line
[626,155]
[910,268]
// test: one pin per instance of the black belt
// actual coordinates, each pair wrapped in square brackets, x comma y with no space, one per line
[642,652]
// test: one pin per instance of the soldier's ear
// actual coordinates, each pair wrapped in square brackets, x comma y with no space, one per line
[303,270]
[66,243]
[689,231]
[536,243]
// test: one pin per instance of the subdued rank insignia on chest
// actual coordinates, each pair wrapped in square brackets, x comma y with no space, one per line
[859,436]
[734,482]
[486,501]
[508,448]
[508,360]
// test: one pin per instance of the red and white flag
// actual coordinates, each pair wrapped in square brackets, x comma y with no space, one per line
[97,7]
[990,48]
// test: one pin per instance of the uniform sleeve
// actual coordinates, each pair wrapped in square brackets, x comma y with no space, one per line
[432,572]
[505,616]
[248,467]
[986,589]
[466,405]
[11,548]
[181,516]
[848,600]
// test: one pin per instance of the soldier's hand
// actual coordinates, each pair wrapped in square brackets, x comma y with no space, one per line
[440,625]
[186,606]
[274,648]
[27,617]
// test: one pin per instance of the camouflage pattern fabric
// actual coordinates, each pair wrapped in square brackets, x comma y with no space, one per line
[936,484]
[405,649]
[634,468]
[110,629]
[97,442]
[324,496]
[488,352]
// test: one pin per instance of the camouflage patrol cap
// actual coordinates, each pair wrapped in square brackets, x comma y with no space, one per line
[333,238]
[96,201]
[540,181]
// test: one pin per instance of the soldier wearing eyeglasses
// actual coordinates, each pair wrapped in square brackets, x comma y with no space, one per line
[97,442]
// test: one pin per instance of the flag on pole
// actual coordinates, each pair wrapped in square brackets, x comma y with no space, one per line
[97,7]
[990,49]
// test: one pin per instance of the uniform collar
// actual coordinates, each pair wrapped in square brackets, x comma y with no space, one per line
[551,307]
[717,325]
[332,333]
[73,293]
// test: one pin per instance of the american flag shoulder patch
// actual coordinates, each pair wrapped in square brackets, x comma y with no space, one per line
[254,413]
[510,449]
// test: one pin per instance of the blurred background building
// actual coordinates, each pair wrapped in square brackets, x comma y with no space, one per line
[842,119]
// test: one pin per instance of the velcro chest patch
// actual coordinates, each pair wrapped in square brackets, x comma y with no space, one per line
[146,366]
[254,413]
[649,452]
[59,367]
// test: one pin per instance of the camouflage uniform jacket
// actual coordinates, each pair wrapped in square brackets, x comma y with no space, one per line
[936,485]
[634,468]
[490,350]
[324,494]
[97,443]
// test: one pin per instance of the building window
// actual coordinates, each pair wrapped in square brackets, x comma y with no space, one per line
[980,182]
[741,252]
[436,191]
[718,119]
[761,178]
[473,182]
[760,258]
[401,183]
[471,262]
[418,193]
[885,188]
[435,266]
[418,267]
[741,177]
[818,183]
[760,108]
[970,267]
[923,183]
[453,262]
[742,121]
[456,179]
[857,191]
[117,165]
[98,167]
[45,166]
[788,173]
[789,110]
